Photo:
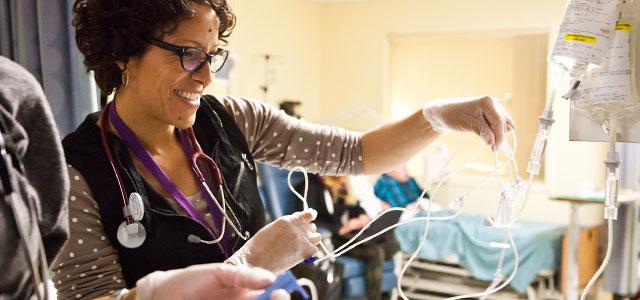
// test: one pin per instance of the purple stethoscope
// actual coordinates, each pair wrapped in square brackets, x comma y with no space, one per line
[131,233]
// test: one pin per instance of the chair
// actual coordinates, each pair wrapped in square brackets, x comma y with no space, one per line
[279,201]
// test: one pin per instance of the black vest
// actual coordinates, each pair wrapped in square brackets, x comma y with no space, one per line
[166,246]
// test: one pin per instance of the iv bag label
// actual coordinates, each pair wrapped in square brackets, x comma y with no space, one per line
[585,32]
[612,83]
[623,27]
[581,38]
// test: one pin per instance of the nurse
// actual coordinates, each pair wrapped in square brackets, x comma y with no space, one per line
[157,58]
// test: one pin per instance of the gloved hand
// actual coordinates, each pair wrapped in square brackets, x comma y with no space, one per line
[281,244]
[483,115]
[207,281]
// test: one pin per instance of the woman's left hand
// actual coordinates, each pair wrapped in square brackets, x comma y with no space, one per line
[483,115]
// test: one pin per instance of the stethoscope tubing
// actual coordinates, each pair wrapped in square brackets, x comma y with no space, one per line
[105,143]
[197,152]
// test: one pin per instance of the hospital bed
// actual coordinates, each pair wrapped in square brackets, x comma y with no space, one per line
[457,258]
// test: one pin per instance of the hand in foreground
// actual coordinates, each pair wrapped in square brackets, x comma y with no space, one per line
[208,281]
[281,244]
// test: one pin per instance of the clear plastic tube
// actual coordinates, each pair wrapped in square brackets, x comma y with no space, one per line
[611,197]
[510,162]
[303,198]
[535,160]
[426,230]
[498,277]
[348,246]
[348,243]
[513,273]
[546,121]
[604,264]
[612,163]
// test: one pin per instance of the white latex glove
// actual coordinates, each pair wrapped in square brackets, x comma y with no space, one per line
[207,281]
[281,244]
[483,115]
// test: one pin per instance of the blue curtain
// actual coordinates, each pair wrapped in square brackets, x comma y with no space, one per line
[38,35]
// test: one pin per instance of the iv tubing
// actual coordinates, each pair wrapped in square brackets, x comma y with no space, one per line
[604,262]
[610,168]
[304,198]
[513,273]
[339,249]
[426,230]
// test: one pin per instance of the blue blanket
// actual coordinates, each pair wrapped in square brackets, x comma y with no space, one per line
[538,246]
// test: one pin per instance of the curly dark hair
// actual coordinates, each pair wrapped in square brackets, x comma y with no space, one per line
[114,30]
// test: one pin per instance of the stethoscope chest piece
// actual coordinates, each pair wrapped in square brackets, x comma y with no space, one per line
[136,206]
[131,235]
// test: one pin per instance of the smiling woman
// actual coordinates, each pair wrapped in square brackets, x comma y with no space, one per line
[144,199]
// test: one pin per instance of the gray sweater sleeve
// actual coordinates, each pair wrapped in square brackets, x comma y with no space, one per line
[44,185]
[281,140]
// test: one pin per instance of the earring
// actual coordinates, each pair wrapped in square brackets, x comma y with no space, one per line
[124,78]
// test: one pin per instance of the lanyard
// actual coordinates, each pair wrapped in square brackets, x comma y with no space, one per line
[218,217]
[150,164]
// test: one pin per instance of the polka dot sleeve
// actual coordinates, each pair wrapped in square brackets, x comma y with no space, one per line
[87,266]
[284,141]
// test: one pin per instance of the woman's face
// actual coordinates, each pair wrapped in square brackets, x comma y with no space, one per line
[161,88]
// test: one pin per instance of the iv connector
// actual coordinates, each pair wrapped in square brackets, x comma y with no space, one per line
[610,212]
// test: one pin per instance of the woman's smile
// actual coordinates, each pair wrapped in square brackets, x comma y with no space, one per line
[191,98]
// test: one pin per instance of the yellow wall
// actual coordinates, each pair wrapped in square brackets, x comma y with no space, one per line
[335,57]
[508,64]
[356,35]
[357,39]
[291,31]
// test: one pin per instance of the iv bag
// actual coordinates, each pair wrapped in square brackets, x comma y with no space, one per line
[585,35]
[613,88]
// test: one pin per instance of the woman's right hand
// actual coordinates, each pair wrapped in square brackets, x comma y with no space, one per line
[281,244]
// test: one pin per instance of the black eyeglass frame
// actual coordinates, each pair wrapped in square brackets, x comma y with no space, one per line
[181,51]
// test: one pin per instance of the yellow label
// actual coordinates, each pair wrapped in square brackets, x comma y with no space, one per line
[580,38]
[623,27]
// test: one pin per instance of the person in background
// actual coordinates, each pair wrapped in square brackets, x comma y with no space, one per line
[397,189]
[340,212]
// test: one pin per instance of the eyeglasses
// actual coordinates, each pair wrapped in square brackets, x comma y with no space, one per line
[192,59]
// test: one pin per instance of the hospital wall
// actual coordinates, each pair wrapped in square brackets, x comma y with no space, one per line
[335,57]
[291,32]
[358,37]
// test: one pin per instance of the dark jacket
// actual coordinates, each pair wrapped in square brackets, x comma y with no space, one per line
[43,187]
